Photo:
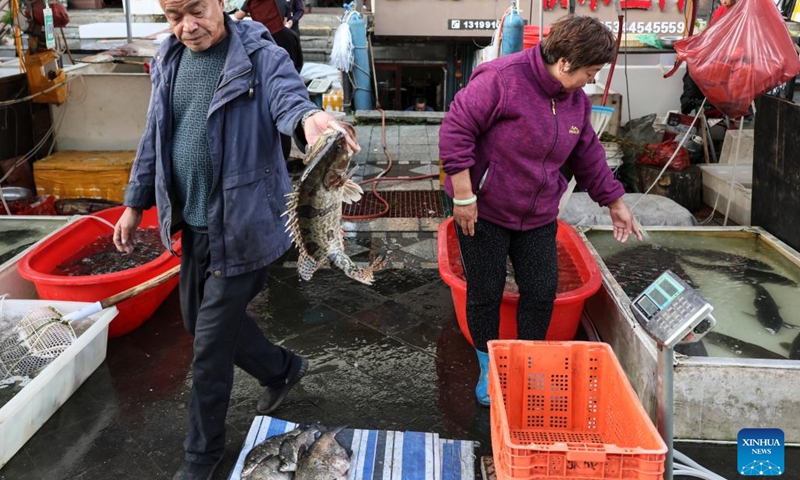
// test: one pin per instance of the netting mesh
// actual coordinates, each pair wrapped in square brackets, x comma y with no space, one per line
[34,342]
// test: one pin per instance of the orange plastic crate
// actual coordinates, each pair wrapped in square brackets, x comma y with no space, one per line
[565,410]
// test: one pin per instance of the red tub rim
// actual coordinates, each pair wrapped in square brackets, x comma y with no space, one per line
[589,287]
[27,272]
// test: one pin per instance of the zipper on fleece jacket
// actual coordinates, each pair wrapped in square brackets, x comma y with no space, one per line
[544,162]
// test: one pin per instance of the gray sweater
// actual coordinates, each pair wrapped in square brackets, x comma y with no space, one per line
[197,78]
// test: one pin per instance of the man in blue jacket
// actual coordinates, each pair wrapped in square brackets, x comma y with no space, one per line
[210,160]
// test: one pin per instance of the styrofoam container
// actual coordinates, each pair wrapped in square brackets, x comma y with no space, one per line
[717,181]
[728,154]
[29,409]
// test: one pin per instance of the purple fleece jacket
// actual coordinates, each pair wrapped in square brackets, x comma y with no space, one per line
[514,128]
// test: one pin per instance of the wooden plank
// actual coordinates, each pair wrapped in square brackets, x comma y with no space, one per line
[776,168]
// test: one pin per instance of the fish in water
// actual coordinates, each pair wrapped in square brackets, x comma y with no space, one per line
[717,258]
[742,273]
[794,348]
[636,268]
[314,209]
[325,460]
[740,347]
[767,310]
[694,349]
[270,447]
[755,275]
[293,448]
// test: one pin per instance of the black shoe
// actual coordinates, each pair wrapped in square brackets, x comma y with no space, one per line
[195,471]
[273,396]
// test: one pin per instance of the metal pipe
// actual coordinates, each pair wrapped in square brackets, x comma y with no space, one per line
[541,20]
[128,19]
[666,406]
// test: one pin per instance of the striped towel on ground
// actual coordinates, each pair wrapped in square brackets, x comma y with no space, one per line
[382,454]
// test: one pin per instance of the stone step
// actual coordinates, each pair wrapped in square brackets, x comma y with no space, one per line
[316,42]
[314,31]
[319,20]
[316,57]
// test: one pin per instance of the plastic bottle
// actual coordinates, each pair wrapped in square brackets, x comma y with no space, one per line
[339,100]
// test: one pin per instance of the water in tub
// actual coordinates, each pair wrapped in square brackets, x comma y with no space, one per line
[13,385]
[101,256]
[17,235]
[753,288]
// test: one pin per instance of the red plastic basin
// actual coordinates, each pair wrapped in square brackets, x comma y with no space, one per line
[39,262]
[530,35]
[578,279]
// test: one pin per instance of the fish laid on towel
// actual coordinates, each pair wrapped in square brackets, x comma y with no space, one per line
[314,209]
[270,447]
[325,460]
[269,469]
[295,447]
[300,455]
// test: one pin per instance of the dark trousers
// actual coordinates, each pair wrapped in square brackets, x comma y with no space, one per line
[533,256]
[214,312]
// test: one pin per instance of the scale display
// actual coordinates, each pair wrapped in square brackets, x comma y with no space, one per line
[319,85]
[671,311]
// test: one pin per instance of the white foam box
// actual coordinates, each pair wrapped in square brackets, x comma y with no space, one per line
[29,409]
[717,188]
[728,154]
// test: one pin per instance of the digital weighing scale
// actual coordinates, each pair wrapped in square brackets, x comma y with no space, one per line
[672,313]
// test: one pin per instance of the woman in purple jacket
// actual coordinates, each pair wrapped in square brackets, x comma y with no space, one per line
[503,143]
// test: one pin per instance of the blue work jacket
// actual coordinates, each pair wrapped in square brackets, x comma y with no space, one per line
[259,94]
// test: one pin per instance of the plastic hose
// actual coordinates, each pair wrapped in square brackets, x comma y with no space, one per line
[103,220]
[380,177]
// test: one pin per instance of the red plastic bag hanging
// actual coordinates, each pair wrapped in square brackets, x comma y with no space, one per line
[743,55]
[658,154]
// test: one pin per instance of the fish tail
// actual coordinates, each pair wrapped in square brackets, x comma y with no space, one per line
[365,275]
[346,265]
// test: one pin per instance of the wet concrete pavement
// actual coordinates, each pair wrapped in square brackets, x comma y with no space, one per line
[389,357]
[383,357]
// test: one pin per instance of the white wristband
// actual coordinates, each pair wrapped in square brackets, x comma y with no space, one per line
[468,201]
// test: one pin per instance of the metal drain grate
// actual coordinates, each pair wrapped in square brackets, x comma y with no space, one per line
[411,204]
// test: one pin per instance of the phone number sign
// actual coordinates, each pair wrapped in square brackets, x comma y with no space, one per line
[458,24]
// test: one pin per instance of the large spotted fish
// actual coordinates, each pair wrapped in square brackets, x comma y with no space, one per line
[314,208]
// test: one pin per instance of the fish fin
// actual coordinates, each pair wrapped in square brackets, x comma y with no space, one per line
[365,275]
[351,192]
[292,225]
[306,265]
[352,172]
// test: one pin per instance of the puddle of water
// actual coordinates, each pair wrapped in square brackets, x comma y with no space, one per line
[753,288]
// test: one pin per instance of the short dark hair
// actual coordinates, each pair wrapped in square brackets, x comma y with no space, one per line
[580,40]
[420,100]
